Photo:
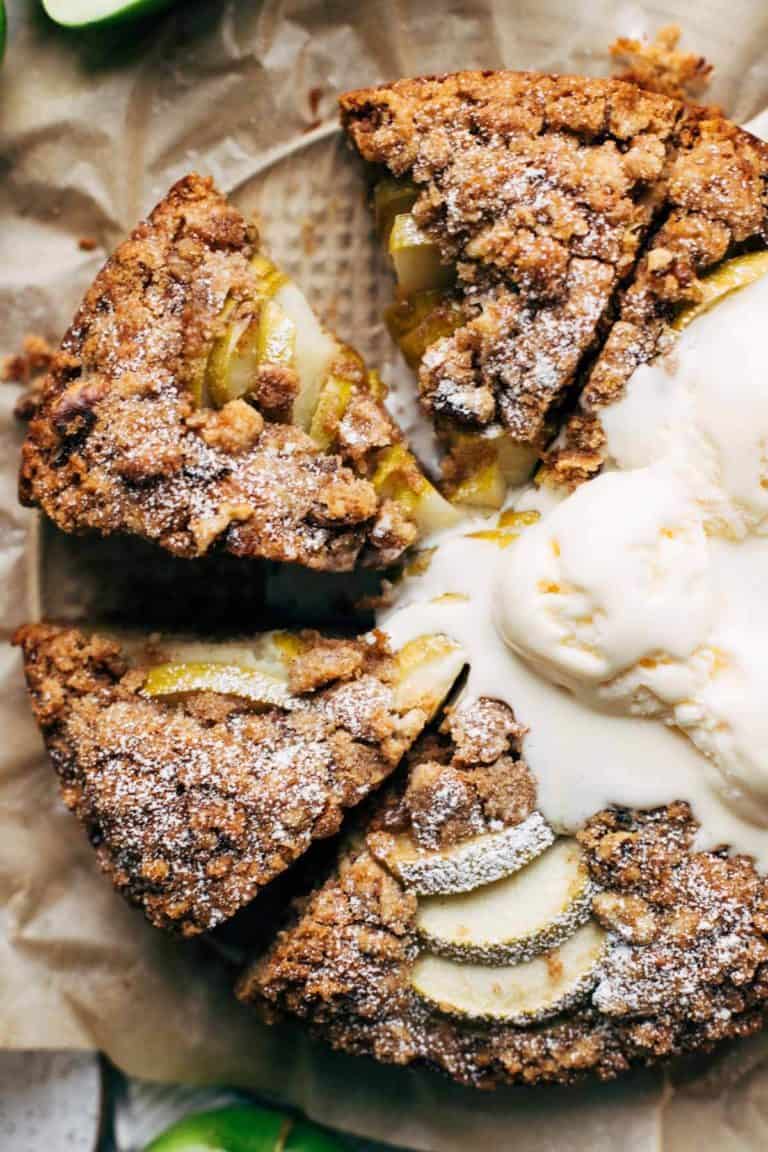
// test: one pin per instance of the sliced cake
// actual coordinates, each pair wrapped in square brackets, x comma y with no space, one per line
[201,771]
[197,401]
[711,241]
[515,207]
[672,959]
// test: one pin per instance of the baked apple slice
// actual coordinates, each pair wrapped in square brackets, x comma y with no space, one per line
[468,814]
[531,911]
[467,865]
[519,994]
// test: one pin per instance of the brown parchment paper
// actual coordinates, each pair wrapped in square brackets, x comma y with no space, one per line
[92,131]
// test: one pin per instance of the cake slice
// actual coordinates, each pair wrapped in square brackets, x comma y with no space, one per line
[516,208]
[672,958]
[197,401]
[535,193]
[711,242]
[202,771]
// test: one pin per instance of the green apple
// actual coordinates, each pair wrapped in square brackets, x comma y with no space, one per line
[86,13]
[244,1130]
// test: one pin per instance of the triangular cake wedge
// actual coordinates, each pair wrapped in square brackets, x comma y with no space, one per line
[535,191]
[197,401]
[516,208]
[673,960]
[712,241]
[467,816]
[202,771]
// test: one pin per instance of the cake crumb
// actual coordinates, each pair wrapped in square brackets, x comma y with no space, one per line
[659,66]
[28,367]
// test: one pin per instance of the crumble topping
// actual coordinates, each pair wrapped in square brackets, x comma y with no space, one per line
[468,777]
[537,188]
[716,204]
[194,802]
[118,441]
[543,191]
[686,964]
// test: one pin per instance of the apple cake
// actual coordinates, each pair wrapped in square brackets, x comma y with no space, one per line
[573,887]
[573,955]
[516,208]
[202,771]
[196,401]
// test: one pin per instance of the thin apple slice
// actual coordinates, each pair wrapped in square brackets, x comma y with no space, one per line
[530,912]
[271,652]
[256,671]
[390,198]
[228,373]
[415,257]
[416,322]
[332,403]
[315,349]
[721,281]
[464,866]
[250,331]
[520,994]
[426,670]
[399,477]
[428,667]
[174,679]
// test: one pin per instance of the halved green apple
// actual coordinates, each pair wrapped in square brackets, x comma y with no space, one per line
[467,865]
[415,257]
[532,911]
[520,994]
[721,281]
[174,679]
[89,13]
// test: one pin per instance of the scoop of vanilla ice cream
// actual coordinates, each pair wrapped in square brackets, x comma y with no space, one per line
[704,409]
[614,575]
[643,591]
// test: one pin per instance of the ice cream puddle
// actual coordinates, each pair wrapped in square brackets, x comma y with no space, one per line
[627,626]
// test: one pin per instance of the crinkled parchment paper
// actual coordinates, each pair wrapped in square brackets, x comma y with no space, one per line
[92,131]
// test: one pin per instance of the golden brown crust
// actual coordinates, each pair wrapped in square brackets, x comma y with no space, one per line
[194,802]
[538,188]
[687,964]
[467,777]
[542,189]
[118,443]
[716,203]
